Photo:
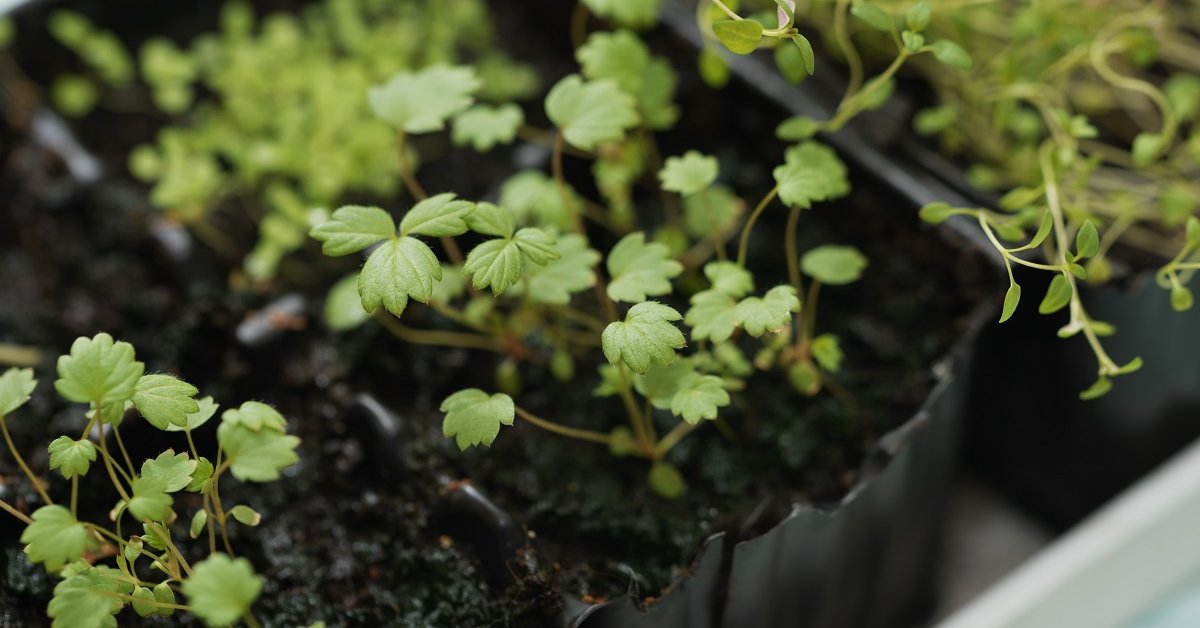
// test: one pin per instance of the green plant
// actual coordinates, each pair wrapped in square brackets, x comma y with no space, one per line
[535,293]
[150,566]
[1082,115]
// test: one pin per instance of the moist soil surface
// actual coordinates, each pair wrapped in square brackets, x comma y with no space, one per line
[359,531]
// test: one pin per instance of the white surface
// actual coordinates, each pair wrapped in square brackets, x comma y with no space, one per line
[1110,568]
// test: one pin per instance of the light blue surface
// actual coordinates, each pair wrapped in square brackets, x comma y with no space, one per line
[1178,609]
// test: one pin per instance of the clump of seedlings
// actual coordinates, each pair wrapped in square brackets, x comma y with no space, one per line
[105,566]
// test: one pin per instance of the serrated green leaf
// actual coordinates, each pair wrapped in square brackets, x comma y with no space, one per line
[572,272]
[827,351]
[951,54]
[622,57]
[873,16]
[699,398]
[666,480]
[639,269]
[1011,298]
[165,400]
[495,264]
[221,590]
[536,245]
[1087,241]
[811,172]
[422,101]
[1058,295]
[739,36]
[204,471]
[15,387]
[493,220]
[631,13]
[255,443]
[353,228]
[343,309]
[729,278]
[483,127]
[646,337]
[474,418]
[590,113]
[150,499]
[199,520]
[98,370]
[87,599]
[399,269]
[437,216]
[689,174]
[834,264]
[712,316]
[71,457]
[207,408]
[174,470]
[245,515]
[55,538]
[772,312]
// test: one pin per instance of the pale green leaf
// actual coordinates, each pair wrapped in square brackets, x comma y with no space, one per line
[874,16]
[712,211]
[204,471]
[827,351]
[150,499]
[811,172]
[646,337]
[353,228]
[590,113]
[221,590]
[639,269]
[772,312]
[951,54]
[495,264]
[255,443]
[142,595]
[739,36]
[797,128]
[483,126]
[343,309]
[834,264]
[666,480]
[493,220]
[98,370]
[437,216]
[1058,295]
[689,174]
[199,520]
[422,101]
[88,598]
[201,416]
[474,418]
[15,387]
[173,470]
[699,399]
[399,269]
[712,316]
[573,272]
[55,538]
[1087,240]
[534,199]
[165,400]
[255,416]
[1011,298]
[622,57]
[631,13]
[245,515]
[71,457]
[730,278]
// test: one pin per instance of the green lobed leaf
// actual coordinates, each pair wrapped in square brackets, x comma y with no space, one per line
[399,269]
[221,590]
[150,499]
[711,212]
[495,264]
[572,272]
[631,13]
[437,216]
[165,400]
[55,538]
[422,101]
[71,457]
[1011,298]
[353,228]
[207,408]
[772,312]
[739,36]
[474,418]
[590,113]
[98,370]
[623,57]
[646,337]
[666,480]
[173,470]
[689,174]
[811,172]
[639,269]
[729,278]
[699,399]
[493,220]
[15,387]
[834,264]
[200,477]
[88,598]
[951,54]
[255,416]
[483,127]
[712,316]
[1058,295]
[534,199]
[255,443]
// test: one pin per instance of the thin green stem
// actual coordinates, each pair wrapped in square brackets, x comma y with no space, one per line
[560,180]
[727,11]
[562,430]
[464,340]
[852,106]
[109,466]
[124,452]
[672,438]
[790,251]
[744,244]
[642,429]
[12,448]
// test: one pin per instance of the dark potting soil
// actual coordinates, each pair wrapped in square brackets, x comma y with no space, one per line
[354,533]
